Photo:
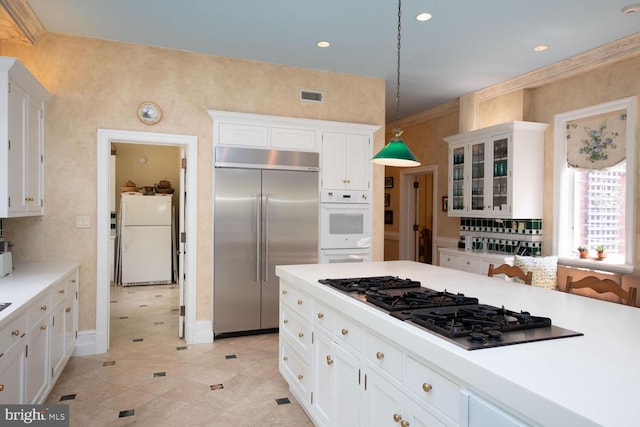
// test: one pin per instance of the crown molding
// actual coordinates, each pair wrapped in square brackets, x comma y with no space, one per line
[24,18]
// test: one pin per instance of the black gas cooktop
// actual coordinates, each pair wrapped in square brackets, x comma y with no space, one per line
[455,317]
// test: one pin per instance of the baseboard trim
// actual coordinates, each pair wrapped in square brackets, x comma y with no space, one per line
[203,333]
[86,343]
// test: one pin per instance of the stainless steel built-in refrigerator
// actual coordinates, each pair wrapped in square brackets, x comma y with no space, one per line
[265,214]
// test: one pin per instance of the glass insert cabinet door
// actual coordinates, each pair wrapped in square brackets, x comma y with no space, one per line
[457,174]
[500,173]
[477,177]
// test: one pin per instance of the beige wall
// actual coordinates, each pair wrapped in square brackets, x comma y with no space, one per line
[602,84]
[99,84]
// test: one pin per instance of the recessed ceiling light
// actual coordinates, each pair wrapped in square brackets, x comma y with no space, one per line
[632,8]
[323,44]
[423,17]
[541,48]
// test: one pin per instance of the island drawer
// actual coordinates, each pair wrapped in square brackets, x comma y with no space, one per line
[385,356]
[298,301]
[430,387]
[296,330]
[39,308]
[62,288]
[11,333]
[294,369]
[349,333]
[324,317]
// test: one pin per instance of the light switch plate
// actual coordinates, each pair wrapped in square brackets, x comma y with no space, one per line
[83,221]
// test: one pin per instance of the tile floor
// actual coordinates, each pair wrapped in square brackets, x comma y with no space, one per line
[149,377]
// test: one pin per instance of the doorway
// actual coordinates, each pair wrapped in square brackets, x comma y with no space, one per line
[418,218]
[188,145]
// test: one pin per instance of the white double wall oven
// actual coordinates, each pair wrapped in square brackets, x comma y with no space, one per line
[345,226]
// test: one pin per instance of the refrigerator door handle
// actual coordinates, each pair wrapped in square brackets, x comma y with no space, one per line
[265,257]
[258,239]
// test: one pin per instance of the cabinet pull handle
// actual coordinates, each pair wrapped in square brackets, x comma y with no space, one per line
[43,308]
[320,315]
[284,292]
[427,387]
[300,377]
[345,332]
[404,423]
[300,334]
[68,309]
[285,358]
[397,417]
[286,321]
[379,355]
[1,387]
[43,327]
[329,361]
[299,301]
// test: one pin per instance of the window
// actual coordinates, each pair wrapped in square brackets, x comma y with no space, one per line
[593,193]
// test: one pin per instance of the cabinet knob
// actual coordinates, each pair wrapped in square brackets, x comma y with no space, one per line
[320,315]
[61,291]
[284,292]
[345,332]
[43,327]
[397,417]
[15,333]
[1,387]
[404,423]
[43,308]
[68,309]
[285,358]
[299,301]
[285,321]
[329,361]
[300,377]
[379,355]
[300,334]
[427,387]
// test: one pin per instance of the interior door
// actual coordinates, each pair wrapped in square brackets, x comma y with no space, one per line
[236,288]
[181,242]
[290,233]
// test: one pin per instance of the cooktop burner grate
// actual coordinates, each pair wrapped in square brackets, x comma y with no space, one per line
[418,298]
[363,284]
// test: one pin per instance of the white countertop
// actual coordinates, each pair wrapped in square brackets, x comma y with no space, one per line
[27,281]
[583,381]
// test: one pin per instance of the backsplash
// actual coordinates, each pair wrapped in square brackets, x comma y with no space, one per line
[502,235]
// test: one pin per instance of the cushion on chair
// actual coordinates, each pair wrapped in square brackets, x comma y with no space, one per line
[544,270]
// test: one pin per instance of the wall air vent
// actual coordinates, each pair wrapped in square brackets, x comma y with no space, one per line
[311,95]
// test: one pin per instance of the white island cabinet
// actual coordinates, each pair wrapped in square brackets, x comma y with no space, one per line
[38,330]
[363,367]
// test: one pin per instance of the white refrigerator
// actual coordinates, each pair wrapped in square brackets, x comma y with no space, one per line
[145,239]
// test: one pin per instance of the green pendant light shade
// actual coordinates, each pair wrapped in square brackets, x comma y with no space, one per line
[396,153]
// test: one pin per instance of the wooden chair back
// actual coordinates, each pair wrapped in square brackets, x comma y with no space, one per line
[511,271]
[601,286]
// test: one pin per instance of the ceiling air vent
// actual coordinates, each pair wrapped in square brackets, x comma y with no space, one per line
[311,96]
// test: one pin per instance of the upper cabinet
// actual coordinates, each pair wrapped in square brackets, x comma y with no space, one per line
[22,100]
[497,172]
[346,161]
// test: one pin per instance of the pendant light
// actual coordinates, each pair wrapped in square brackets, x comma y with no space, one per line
[396,152]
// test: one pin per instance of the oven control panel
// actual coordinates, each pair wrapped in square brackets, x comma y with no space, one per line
[333,196]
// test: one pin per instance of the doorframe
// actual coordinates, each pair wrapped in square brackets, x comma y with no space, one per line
[104,139]
[408,208]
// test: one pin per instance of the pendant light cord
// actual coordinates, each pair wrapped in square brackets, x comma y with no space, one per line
[398,65]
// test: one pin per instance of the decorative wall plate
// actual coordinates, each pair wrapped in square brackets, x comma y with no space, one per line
[149,113]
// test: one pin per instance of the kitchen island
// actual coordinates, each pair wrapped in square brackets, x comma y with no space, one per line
[576,381]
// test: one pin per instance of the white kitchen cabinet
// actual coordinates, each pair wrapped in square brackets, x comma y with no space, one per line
[22,99]
[384,402]
[37,372]
[478,412]
[12,352]
[473,262]
[497,172]
[346,161]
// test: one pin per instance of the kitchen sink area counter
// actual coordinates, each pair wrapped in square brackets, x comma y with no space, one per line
[38,330]
[410,375]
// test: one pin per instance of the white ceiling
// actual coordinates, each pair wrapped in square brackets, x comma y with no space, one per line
[467,46]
